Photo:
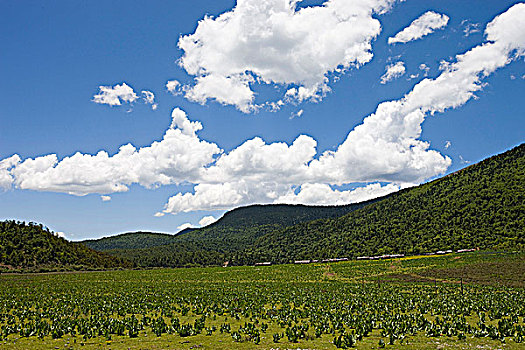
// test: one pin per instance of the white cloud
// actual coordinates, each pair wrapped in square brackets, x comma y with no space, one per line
[116,95]
[60,234]
[393,71]
[123,93]
[233,90]
[180,156]
[105,198]
[149,98]
[384,148]
[273,42]
[6,166]
[447,144]
[323,194]
[427,23]
[207,220]
[174,87]
[226,195]
[257,161]
[158,214]
[184,226]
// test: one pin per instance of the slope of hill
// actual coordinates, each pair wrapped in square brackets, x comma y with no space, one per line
[240,228]
[172,255]
[210,245]
[130,240]
[32,246]
[481,206]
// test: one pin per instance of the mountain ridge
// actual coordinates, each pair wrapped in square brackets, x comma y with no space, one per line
[264,217]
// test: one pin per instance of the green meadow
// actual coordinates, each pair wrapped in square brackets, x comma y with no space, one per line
[456,301]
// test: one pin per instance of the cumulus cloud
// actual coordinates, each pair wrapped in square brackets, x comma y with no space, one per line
[123,93]
[384,148]
[393,71]
[426,24]
[180,156]
[383,153]
[232,90]
[6,166]
[323,194]
[105,198]
[274,42]
[207,220]
[115,95]
[174,87]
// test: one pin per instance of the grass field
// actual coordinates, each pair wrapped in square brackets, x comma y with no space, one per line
[457,301]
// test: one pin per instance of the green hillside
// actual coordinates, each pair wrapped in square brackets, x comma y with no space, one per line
[212,245]
[130,240]
[30,246]
[172,255]
[241,227]
[481,206]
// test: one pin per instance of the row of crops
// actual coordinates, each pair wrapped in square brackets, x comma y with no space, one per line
[260,307]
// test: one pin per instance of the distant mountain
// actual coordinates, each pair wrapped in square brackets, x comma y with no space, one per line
[211,245]
[241,227]
[237,229]
[481,206]
[32,246]
[130,240]
[171,255]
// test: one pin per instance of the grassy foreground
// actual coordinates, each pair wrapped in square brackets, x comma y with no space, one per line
[457,301]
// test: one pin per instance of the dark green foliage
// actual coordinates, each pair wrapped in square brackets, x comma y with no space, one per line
[131,240]
[172,255]
[240,227]
[482,206]
[216,243]
[33,246]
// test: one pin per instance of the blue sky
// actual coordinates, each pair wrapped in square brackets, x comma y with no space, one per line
[56,56]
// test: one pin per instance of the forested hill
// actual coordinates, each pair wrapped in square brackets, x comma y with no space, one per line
[237,229]
[130,240]
[32,246]
[241,227]
[481,206]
